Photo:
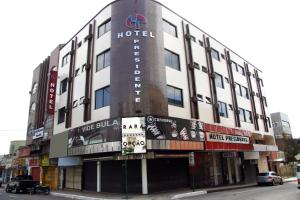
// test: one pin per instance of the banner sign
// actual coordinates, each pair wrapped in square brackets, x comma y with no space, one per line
[133,135]
[38,133]
[51,92]
[216,137]
[97,132]
[170,128]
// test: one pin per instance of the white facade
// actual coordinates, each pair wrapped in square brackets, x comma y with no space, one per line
[174,78]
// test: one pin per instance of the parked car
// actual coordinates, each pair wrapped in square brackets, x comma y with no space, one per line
[20,183]
[298,175]
[269,178]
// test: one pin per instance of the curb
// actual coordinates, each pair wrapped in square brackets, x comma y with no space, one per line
[189,194]
[73,196]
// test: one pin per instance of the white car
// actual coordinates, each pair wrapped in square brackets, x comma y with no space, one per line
[269,178]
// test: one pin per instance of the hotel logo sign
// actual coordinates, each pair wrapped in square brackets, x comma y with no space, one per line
[135,23]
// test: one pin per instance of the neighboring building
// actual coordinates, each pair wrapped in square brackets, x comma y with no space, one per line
[140,83]
[35,156]
[281,125]
[15,145]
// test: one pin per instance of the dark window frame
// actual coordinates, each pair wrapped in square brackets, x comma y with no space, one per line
[104,24]
[104,99]
[222,80]
[61,115]
[166,22]
[65,59]
[215,54]
[173,101]
[63,87]
[104,63]
[220,109]
[173,55]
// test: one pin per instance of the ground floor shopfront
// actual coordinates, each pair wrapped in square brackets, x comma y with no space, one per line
[151,154]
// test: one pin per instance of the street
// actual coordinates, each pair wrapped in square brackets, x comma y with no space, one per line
[287,191]
[6,196]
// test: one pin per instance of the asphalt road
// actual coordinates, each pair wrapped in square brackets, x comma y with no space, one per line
[12,196]
[287,191]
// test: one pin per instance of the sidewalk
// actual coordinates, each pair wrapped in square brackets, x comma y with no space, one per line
[173,194]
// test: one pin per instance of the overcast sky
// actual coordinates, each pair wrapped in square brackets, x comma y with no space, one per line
[266,33]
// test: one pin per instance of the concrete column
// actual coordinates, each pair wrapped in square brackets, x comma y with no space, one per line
[98,176]
[236,169]
[144,176]
[215,170]
[229,170]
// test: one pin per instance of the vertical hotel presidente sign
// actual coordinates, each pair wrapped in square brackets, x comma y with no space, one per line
[135,23]
[51,92]
[133,135]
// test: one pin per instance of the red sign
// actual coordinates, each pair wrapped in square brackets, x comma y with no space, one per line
[51,92]
[33,162]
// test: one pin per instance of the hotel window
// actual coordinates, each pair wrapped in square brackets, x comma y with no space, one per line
[61,115]
[244,92]
[237,89]
[65,59]
[215,54]
[265,101]
[172,60]
[169,28]
[174,96]
[248,116]
[63,86]
[34,88]
[219,80]
[103,60]
[242,114]
[223,109]
[240,70]
[233,65]
[102,97]
[104,27]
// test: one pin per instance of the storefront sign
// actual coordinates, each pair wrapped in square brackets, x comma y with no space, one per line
[216,137]
[51,92]
[230,155]
[170,128]
[33,162]
[133,135]
[97,132]
[135,22]
[44,161]
[38,133]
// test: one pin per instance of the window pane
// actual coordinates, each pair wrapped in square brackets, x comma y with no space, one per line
[233,66]
[215,54]
[107,59]
[172,60]
[100,62]
[248,116]
[242,115]
[106,96]
[241,70]
[61,115]
[108,26]
[174,96]
[238,89]
[63,85]
[219,80]
[102,97]
[244,91]
[223,109]
[101,30]
[169,28]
